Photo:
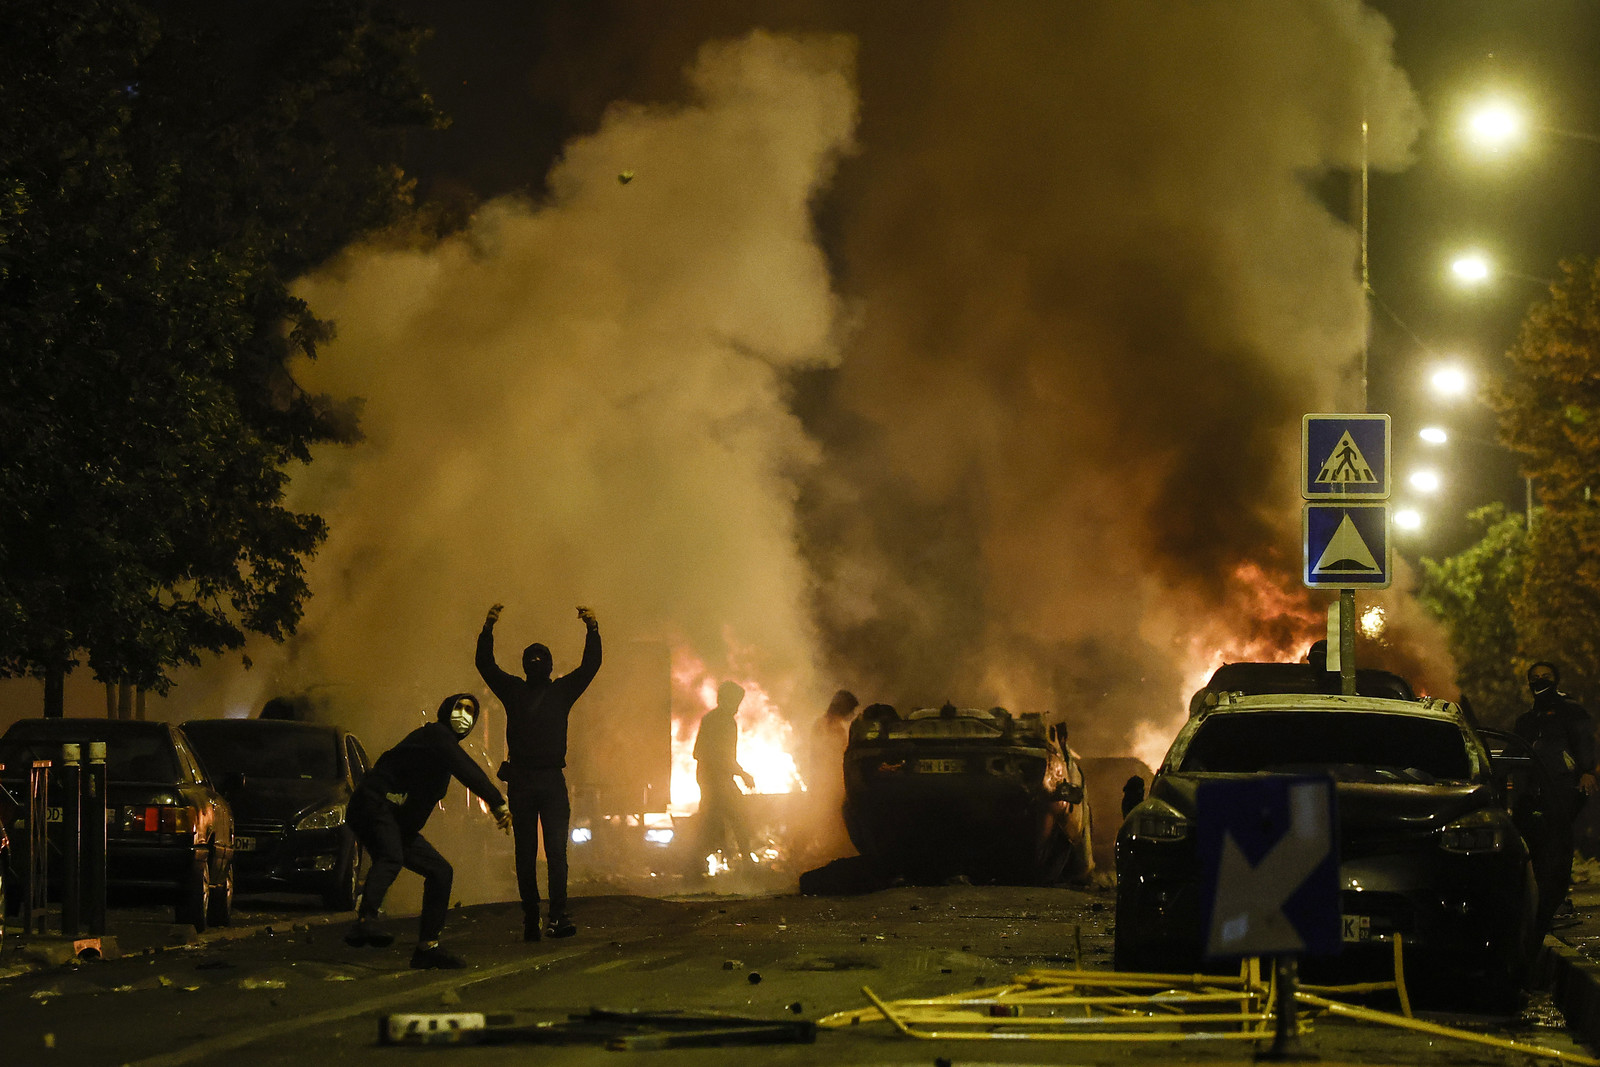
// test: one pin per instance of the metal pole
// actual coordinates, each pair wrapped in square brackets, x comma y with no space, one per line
[94,840]
[1527,483]
[37,882]
[1347,642]
[1285,1032]
[71,837]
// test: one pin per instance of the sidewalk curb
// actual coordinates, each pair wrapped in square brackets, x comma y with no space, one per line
[1574,984]
[18,962]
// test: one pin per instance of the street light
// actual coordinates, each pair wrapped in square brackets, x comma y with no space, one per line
[1473,268]
[1449,381]
[1495,125]
[1433,435]
[1424,481]
[1408,519]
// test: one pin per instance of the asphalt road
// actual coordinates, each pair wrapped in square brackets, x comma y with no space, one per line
[281,987]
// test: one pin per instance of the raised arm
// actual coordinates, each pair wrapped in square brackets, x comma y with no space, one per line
[590,665]
[488,669]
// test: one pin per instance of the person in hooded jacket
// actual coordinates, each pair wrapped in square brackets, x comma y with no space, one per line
[389,809]
[1562,736]
[537,708]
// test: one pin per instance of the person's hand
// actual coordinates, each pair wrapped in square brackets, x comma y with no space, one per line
[1587,784]
[494,615]
[502,817]
[588,618]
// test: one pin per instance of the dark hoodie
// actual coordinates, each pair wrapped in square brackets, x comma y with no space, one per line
[537,708]
[416,773]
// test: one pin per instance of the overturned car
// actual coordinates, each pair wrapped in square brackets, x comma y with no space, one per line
[947,792]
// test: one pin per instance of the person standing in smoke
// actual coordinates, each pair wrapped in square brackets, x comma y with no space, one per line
[716,765]
[537,708]
[389,809]
[824,775]
[1562,737]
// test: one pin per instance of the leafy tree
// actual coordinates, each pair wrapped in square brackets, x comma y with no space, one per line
[1559,600]
[1548,401]
[165,170]
[1473,594]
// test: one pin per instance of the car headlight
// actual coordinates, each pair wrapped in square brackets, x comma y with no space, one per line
[325,818]
[1479,832]
[658,837]
[582,835]
[1157,821]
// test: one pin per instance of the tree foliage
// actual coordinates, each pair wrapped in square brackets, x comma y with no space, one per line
[166,169]
[1474,594]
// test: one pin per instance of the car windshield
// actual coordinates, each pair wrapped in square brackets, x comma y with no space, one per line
[265,749]
[1350,746]
[130,757]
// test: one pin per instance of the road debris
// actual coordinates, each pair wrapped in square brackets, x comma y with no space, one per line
[622,1031]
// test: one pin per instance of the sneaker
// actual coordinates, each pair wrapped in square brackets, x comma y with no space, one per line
[435,956]
[530,931]
[560,926]
[364,935]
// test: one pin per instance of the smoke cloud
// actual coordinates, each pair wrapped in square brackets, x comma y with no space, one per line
[994,398]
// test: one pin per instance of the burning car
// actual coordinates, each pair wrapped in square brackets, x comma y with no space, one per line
[1428,848]
[948,792]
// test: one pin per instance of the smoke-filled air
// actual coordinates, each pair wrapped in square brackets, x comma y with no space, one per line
[949,351]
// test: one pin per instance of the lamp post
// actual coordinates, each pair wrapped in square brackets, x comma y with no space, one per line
[1437,436]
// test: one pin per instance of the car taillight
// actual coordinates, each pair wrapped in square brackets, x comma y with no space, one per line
[157,819]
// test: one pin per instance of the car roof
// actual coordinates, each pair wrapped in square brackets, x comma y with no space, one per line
[1237,703]
[1257,677]
[83,727]
[270,725]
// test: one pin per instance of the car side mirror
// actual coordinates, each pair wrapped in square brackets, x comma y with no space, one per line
[1072,794]
[233,781]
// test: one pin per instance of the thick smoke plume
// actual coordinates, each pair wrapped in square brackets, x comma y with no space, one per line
[994,399]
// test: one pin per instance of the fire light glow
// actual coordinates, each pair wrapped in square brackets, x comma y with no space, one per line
[765,737]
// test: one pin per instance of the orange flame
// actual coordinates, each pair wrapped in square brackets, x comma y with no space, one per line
[765,736]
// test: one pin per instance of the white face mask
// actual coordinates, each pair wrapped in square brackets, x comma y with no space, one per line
[462,716]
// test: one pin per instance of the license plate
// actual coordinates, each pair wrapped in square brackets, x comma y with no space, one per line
[52,815]
[940,766]
[1356,927]
[243,844]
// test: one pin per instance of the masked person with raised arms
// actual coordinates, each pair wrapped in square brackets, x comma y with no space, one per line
[389,809]
[537,708]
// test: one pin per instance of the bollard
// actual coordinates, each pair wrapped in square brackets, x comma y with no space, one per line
[95,815]
[36,884]
[71,836]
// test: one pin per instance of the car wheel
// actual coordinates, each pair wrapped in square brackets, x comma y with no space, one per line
[345,889]
[219,908]
[194,896]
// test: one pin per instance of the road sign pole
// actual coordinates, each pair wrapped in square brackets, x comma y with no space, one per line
[1347,642]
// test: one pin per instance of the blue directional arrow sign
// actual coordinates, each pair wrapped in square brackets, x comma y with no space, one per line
[1270,866]
[1347,546]
[1344,457]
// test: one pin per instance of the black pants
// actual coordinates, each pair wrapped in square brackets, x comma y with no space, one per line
[722,829]
[391,847]
[538,800]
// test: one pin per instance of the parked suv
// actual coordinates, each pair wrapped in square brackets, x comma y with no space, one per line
[168,829]
[1429,848]
[289,784]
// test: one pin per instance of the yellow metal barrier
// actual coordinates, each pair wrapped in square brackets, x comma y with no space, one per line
[1121,1006]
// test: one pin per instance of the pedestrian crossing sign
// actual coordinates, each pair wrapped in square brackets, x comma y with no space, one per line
[1347,546]
[1344,457]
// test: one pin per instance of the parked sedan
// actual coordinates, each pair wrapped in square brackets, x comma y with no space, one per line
[966,792]
[168,829]
[289,784]
[1428,848]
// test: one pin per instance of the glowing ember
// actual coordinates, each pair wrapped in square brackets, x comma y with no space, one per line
[765,736]
[1373,622]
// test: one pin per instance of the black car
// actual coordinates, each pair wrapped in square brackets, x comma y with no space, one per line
[289,784]
[1428,846]
[168,829]
[966,792]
